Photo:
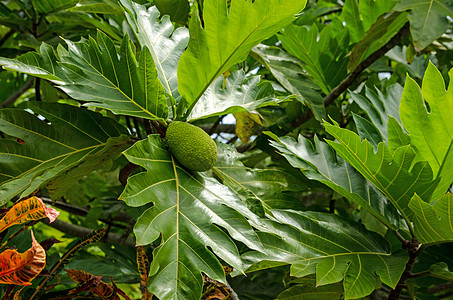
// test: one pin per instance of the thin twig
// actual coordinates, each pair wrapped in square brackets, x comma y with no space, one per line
[6,37]
[18,93]
[79,231]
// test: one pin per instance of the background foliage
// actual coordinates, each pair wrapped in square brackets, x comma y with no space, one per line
[332,120]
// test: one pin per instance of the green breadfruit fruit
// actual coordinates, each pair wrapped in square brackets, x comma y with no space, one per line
[191,146]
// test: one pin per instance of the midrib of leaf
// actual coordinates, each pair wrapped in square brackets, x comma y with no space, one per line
[427,15]
[376,181]
[427,223]
[177,220]
[157,62]
[225,62]
[445,159]
[313,63]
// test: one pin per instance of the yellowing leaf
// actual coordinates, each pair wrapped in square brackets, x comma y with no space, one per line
[245,123]
[28,210]
[21,268]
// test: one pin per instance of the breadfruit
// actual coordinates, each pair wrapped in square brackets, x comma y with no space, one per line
[191,146]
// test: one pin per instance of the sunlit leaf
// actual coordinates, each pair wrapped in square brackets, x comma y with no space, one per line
[164,42]
[234,94]
[21,268]
[226,38]
[433,223]
[422,122]
[28,210]
[188,210]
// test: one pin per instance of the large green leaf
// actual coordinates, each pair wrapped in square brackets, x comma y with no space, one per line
[391,174]
[233,94]
[273,188]
[359,15]
[43,64]
[48,6]
[188,210]
[428,19]
[288,71]
[319,162]
[165,44]
[75,142]
[178,10]
[93,71]
[334,248]
[380,108]
[118,84]
[431,133]
[227,37]
[433,223]
[377,36]
[323,53]
[308,292]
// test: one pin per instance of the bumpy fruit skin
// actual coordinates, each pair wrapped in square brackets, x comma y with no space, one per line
[191,146]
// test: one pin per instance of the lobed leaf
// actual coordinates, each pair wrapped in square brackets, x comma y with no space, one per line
[164,43]
[319,162]
[433,223]
[226,38]
[233,94]
[258,188]
[428,19]
[322,52]
[30,209]
[288,71]
[188,210]
[391,174]
[436,148]
[21,268]
[333,247]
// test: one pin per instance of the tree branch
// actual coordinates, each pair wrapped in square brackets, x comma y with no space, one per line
[348,81]
[414,250]
[18,93]
[79,231]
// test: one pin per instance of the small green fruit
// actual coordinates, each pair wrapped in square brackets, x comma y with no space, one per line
[191,146]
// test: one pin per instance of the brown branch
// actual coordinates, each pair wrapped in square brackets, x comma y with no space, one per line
[414,249]
[440,288]
[348,81]
[79,231]
[18,93]
[82,211]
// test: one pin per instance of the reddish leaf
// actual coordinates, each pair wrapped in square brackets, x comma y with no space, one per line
[21,268]
[98,287]
[28,210]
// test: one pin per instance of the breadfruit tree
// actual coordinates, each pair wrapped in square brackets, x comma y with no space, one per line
[266,149]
